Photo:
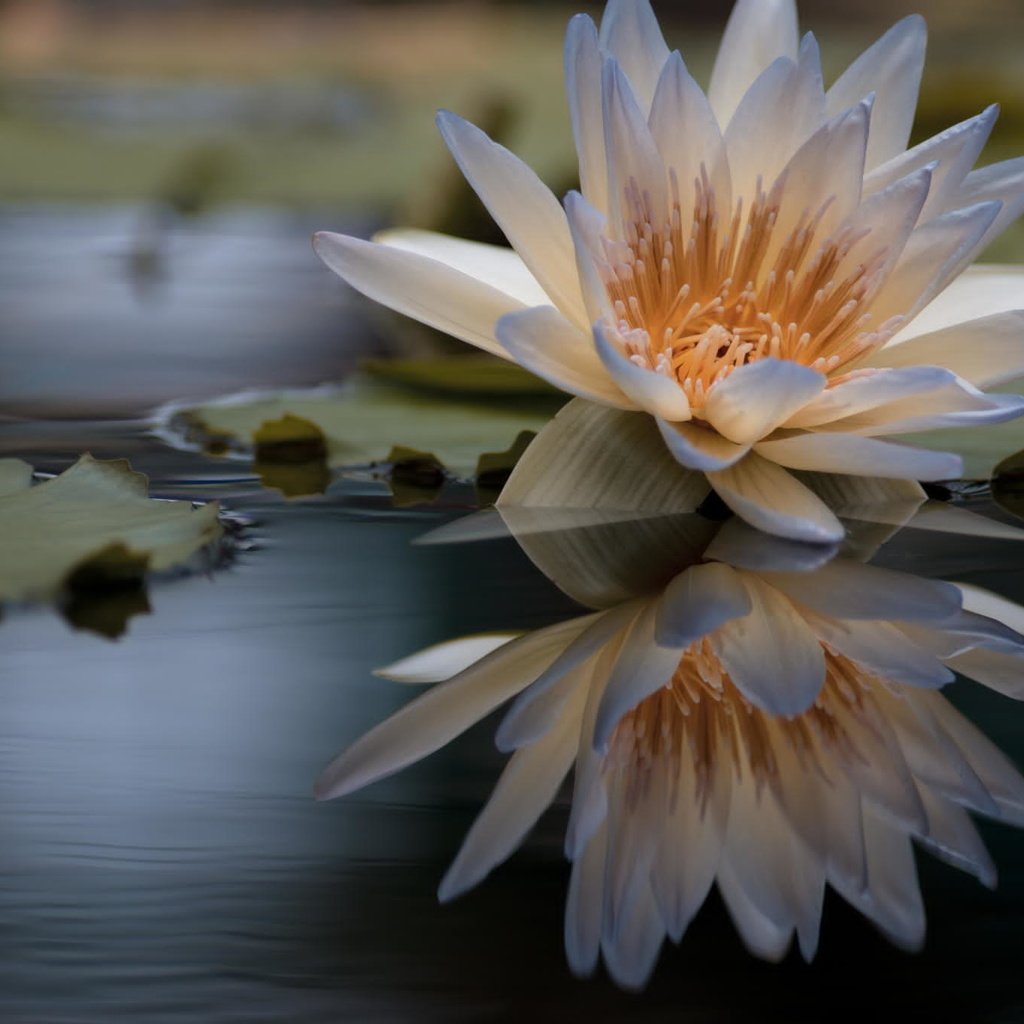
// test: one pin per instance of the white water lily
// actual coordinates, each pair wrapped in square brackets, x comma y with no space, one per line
[763,268]
[770,725]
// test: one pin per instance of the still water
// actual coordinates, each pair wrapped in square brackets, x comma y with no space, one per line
[162,857]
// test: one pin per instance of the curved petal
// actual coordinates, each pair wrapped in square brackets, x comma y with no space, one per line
[754,399]
[630,33]
[654,392]
[583,88]
[985,352]
[525,209]
[442,661]
[771,655]
[700,448]
[758,32]
[891,69]
[497,265]
[548,345]
[768,497]
[1003,182]
[835,452]
[420,287]
[698,601]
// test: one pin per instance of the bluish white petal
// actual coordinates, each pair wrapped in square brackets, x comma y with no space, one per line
[700,448]
[698,601]
[653,392]
[583,63]
[631,34]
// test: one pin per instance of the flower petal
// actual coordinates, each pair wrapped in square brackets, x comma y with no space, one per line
[836,452]
[985,352]
[496,265]
[420,287]
[767,497]
[700,448]
[1003,182]
[651,391]
[631,34]
[754,399]
[442,661]
[891,69]
[433,719]
[525,209]
[698,601]
[583,88]
[758,32]
[548,345]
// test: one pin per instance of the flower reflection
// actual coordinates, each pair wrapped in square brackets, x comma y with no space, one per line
[767,721]
[763,268]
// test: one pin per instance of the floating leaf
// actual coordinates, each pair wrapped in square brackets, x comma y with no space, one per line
[493,469]
[461,375]
[416,477]
[358,425]
[94,524]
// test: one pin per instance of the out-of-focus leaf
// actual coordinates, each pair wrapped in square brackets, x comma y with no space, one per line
[494,468]
[461,375]
[106,610]
[416,477]
[92,525]
[359,424]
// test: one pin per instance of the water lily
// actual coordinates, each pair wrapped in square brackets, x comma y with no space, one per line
[768,721]
[764,268]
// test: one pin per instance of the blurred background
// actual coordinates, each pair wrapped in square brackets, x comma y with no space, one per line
[164,162]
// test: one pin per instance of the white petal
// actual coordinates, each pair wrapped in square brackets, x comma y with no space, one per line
[584,906]
[992,606]
[420,287]
[998,670]
[688,137]
[860,456]
[641,668]
[932,258]
[583,87]
[771,655]
[882,648]
[980,291]
[429,722]
[547,344]
[633,157]
[700,448]
[632,953]
[952,153]
[767,497]
[630,33]
[754,399]
[891,69]
[588,227]
[496,265]
[1003,182]
[761,936]
[953,837]
[741,546]
[527,786]
[986,352]
[868,388]
[531,218]
[442,661]
[653,392]
[758,32]
[845,589]
[698,601]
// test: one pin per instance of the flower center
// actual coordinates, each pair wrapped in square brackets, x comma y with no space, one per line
[701,716]
[696,300]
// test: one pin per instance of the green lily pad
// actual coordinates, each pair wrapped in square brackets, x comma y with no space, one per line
[93,526]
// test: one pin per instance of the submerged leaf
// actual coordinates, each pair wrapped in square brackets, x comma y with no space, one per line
[94,524]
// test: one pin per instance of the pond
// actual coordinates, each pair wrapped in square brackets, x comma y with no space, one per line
[163,858]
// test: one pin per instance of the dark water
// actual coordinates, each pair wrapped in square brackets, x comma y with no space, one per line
[162,859]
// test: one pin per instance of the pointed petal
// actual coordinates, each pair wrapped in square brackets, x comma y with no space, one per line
[429,722]
[771,655]
[767,497]
[953,837]
[583,87]
[1002,182]
[420,287]
[700,448]
[588,227]
[524,208]
[861,456]
[630,33]
[653,392]
[527,786]
[442,661]
[753,400]
[547,344]
[758,32]
[583,907]
[986,352]
[891,69]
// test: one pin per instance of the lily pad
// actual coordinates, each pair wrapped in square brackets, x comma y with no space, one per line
[461,375]
[357,425]
[93,524]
